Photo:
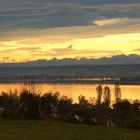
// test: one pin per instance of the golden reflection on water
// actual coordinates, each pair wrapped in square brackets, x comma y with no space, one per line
[131,92]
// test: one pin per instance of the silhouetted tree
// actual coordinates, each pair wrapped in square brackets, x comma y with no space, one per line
[99,94]
[117,92]
[9,104]
[29,104]
[49,101]
[82,100]
[64,106]
[136,107]
[31,85]
[107,96]
[127,114]
[122,109]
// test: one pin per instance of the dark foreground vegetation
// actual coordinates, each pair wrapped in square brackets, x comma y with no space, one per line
[14,129]
[51,106]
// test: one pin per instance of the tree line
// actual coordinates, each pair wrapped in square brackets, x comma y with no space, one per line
[29,103]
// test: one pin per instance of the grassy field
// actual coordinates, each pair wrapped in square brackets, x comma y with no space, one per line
[40,130]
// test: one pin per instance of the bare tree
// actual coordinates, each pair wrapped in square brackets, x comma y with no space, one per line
[31,86]
[107,96]
[117,92]
[99,94]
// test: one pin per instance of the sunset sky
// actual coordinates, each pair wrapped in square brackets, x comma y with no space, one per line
[44,29]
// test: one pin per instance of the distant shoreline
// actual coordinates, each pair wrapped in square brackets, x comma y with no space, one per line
[72,82]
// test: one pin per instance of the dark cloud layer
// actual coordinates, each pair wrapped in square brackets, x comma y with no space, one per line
[59,13]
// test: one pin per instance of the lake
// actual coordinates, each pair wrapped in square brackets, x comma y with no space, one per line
[131,92]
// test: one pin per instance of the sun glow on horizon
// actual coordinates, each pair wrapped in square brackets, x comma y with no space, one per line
[95,47]
[31,30]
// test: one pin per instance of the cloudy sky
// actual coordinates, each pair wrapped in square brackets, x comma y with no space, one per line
[43,29]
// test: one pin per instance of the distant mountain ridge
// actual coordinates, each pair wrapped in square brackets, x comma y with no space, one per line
[114,60]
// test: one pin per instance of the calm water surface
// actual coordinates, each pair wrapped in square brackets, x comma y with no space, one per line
[131,92]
